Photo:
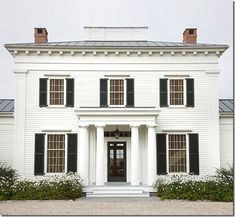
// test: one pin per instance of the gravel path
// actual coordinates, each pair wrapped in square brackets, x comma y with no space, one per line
[115,206]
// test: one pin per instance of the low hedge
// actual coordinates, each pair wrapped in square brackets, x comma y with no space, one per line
[56,187]
[191,187]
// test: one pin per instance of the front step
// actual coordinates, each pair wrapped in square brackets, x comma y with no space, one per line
[117,192]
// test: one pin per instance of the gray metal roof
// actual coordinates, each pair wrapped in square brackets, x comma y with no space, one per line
[6,105]
[226,105]
[117,44]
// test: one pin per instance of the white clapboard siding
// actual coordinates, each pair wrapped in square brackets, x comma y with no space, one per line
[226,141]
[6,139]
[87,71]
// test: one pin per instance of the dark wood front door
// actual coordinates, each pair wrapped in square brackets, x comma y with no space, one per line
[116,161]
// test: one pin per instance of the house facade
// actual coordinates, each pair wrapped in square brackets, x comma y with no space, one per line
[116,108]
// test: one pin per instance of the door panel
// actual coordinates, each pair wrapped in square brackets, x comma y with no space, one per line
[116,161]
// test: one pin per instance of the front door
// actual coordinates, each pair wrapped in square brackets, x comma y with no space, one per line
[116,161]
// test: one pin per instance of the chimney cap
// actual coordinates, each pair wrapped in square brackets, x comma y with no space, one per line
[189,29]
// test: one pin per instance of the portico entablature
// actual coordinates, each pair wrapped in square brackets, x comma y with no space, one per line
[117,116]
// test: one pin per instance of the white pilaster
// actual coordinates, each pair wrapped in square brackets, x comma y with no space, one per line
[83,153]
[20,112]
[152,168]
[100,155]
[135,163]
[213,117]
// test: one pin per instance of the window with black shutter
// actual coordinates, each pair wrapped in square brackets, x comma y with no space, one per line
[161,154]
[103,92]
[130,92]
[43,92]
[194,154]
[163,93]
[190,92]
[72,153]
[70,92]
[39,154]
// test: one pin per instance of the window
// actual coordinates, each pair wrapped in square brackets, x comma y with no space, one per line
[177,153]
[116,92]
[56,91]
[55,153]
[176,92]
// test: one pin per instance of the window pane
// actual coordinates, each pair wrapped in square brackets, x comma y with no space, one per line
[56,153]
[56,91]
[177,153]
[116,92]
[176,91]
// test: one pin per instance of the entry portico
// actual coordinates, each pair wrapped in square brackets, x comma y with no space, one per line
[139,138]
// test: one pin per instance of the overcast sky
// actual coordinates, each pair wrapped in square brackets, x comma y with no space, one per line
[166,19]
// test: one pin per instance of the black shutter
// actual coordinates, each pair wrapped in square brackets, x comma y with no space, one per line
[163,92]
[161,154]
[130,92]
[190,92]
[39,154]
[70,92]
[72,153]
[103,92]
[193,154]
[43,92]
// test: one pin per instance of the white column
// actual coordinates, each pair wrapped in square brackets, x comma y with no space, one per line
[135,163]
[100,155]
[83,153]
[151,154]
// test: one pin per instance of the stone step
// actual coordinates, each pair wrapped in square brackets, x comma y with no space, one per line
[117,191]
[117,194]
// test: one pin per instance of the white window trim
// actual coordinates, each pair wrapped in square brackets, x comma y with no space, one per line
[48,92]
[124,98]
[65,153]
[168,92]
[187,153]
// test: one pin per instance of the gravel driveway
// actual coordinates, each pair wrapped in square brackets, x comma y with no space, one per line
[115,206]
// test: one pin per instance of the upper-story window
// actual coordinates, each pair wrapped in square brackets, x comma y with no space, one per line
[56,91]
[176,92]
[116,93]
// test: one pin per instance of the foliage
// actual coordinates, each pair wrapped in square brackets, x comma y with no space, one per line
[7,173]
[192,187]
[55,187]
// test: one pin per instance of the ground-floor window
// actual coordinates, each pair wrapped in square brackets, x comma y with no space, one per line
[55,153]
[177,153]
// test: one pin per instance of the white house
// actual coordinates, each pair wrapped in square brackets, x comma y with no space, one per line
[118,109]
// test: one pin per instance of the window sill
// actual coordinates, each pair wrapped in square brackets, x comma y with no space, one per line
[178,107]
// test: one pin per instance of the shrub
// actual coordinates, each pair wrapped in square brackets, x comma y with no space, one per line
[7,173]
[56,187]
[191,187]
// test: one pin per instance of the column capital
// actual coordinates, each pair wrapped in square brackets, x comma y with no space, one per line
[151,125]
[134,125]
[100,125]
[83,125]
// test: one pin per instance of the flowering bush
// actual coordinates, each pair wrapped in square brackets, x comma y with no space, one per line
[192,187]
[66,186]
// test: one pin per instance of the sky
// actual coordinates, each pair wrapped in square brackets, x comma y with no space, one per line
[166,19]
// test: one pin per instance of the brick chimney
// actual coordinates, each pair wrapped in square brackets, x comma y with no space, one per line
[40,35]
[190,36]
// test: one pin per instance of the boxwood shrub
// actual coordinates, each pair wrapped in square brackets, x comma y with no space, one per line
[191,187]
[56,187]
